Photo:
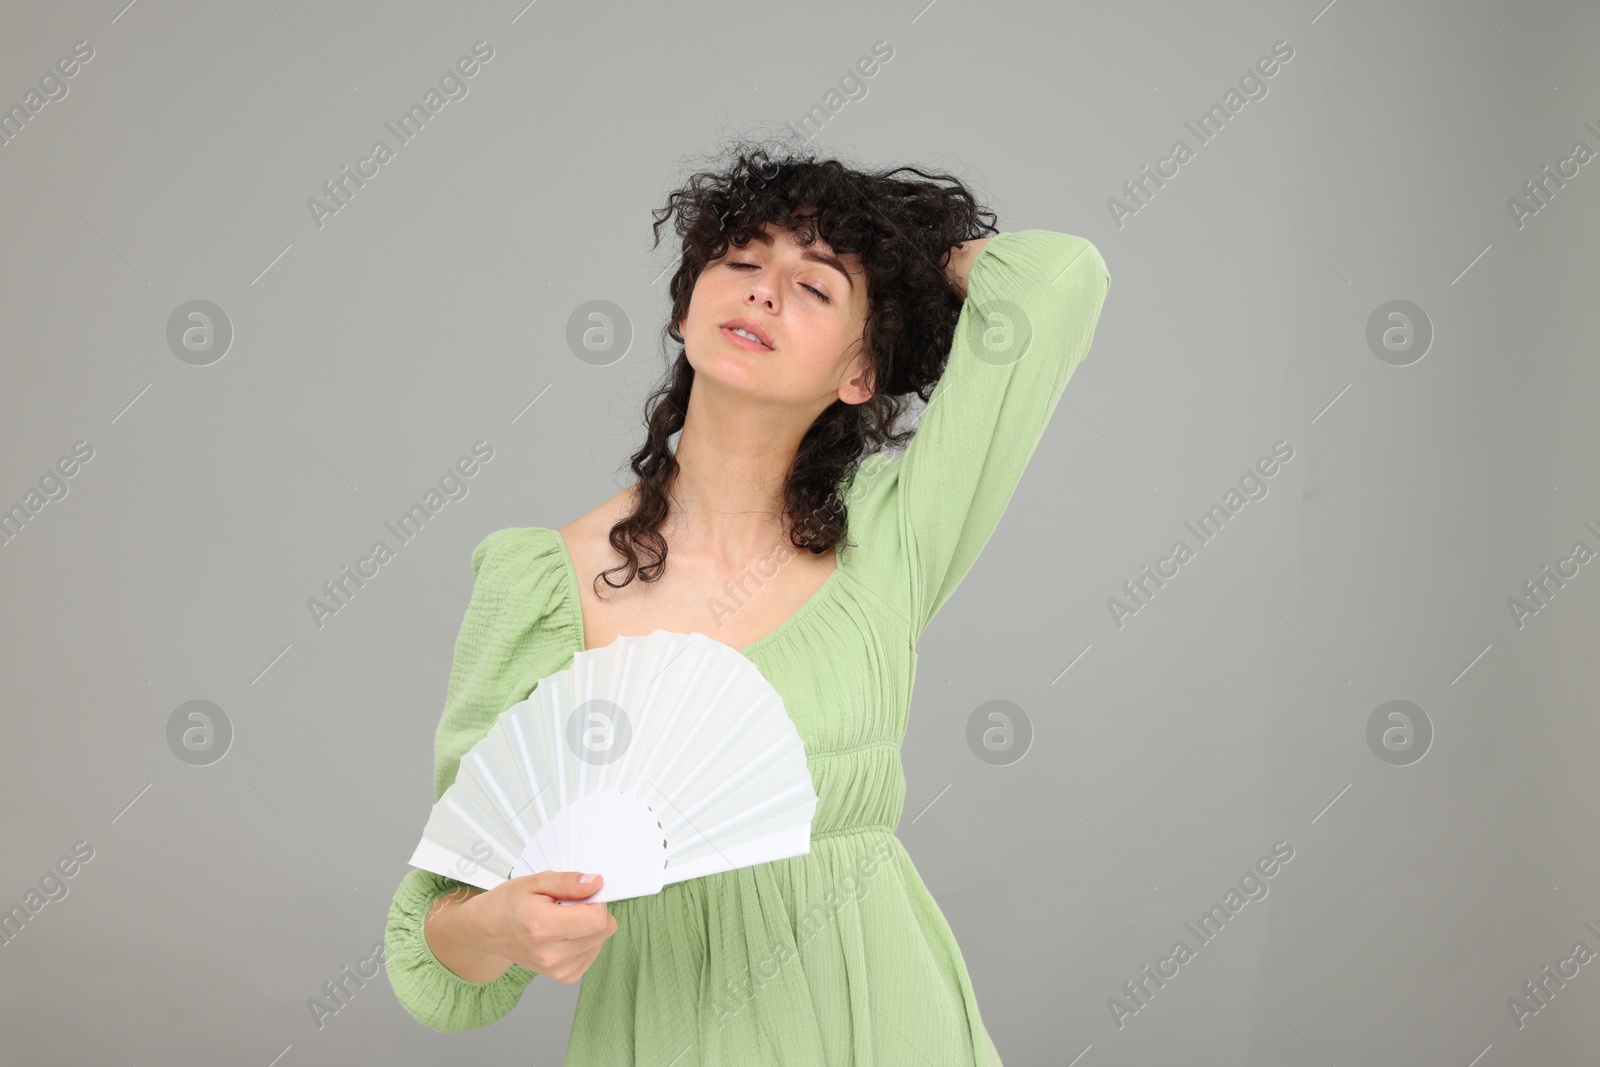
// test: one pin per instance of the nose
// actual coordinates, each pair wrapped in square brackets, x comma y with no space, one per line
[761,290]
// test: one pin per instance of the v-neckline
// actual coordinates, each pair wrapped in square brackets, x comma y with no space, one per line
[575,598]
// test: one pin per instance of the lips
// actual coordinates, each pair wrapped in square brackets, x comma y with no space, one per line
[745,342]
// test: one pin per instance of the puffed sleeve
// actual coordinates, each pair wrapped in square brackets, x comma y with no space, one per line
[1033,300]
[509,638]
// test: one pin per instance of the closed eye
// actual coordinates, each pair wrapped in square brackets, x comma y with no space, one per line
[820,294]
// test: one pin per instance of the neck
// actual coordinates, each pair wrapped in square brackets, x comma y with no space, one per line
[727,497]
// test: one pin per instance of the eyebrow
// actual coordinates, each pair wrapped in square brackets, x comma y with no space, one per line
[808,252]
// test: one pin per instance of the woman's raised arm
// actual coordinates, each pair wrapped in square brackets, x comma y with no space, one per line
[1032,300]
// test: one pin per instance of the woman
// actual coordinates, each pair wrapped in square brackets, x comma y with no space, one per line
[810,302]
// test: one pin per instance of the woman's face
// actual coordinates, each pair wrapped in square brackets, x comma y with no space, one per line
[809,305]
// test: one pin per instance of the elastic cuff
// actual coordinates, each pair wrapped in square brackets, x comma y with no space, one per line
[434,994]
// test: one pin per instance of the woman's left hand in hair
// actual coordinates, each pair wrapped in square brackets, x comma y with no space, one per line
[960,262]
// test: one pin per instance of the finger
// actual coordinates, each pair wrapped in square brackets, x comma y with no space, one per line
[578,922]
[587,959]
[591,945]
[591,918]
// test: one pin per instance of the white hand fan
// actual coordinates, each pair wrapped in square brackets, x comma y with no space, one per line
[652,760]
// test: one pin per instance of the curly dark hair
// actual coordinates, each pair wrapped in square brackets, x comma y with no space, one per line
[903,228]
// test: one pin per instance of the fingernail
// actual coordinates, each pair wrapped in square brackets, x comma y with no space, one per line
[586,879]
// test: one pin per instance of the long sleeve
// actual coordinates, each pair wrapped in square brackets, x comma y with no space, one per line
[505,643]
[1033,300]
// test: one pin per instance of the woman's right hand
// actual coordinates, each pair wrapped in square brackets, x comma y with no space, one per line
[520,920]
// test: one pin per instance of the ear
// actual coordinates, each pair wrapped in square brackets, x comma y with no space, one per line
[860,385]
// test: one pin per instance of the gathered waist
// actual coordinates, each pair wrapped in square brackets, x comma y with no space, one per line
[845,831]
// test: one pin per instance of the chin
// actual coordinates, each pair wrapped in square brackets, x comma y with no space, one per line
[730,371]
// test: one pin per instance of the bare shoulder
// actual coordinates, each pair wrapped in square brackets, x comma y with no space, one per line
[588,537]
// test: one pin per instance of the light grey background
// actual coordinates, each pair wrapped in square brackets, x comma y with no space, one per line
[1230,713]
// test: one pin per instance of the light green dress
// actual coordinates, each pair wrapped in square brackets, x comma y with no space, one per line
[840,956]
